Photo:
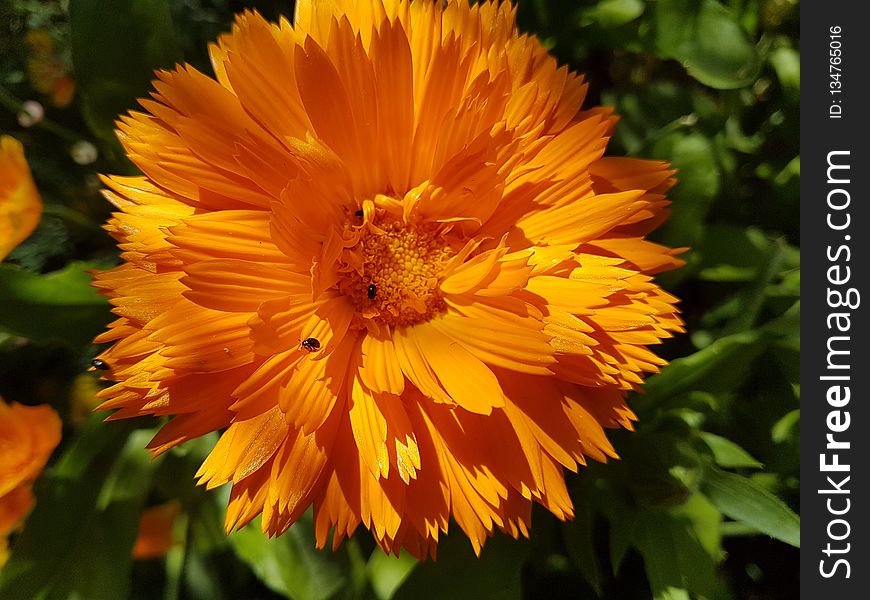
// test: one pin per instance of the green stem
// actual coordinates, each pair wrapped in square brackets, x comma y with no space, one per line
[16,105]
[358,571]
[176,559]
[753,297]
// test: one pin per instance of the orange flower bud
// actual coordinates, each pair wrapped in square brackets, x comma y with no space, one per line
[20,204]
[155,530]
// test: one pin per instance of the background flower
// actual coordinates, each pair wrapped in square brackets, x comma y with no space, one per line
[48,73]
[20,204]
[155,531]
[28,436]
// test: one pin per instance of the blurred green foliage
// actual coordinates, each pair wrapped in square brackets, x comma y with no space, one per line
[703,503]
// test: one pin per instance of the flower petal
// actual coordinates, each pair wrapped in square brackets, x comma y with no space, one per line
[233,285]
[469,382]
[369,429]
[20,202]
[381,370]
[243,448]
[499,337]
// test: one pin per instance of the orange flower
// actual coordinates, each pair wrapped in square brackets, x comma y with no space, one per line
[48,74]
[20,204]
[62,91]
[384,251]
[28,435]
[155,531]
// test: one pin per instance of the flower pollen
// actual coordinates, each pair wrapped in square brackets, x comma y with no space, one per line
[392,273]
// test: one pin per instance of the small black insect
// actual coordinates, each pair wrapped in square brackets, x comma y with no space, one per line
[311,344]
[100,364]
[372,291]
[360,213]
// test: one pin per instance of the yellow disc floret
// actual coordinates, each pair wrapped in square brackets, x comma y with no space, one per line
[395,282]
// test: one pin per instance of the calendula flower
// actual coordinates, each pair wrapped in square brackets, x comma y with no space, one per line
[28,436]
[382,250]
[20,203]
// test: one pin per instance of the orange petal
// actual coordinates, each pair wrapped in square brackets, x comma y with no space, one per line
[20,203]
[381,370]
[28,435]
[469,382]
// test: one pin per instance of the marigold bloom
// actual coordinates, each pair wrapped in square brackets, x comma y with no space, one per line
[20,204]
[384,251]
[28,435]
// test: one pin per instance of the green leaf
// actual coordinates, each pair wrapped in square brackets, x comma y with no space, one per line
[660,467]
[737,529]
[727,454]
[752,297]
[736,139]
[613,13]
[621,518]
[672,593]
[60,306]
[290,564]
[706,523]
[494,575]
[787,324]
[650,113]
[672,554]
[708,40]
[202,576]
[726,273]
[791,171]
[730,253]
[721,366]
[116,46]
[78,541]
[388,572]
[742,500]
[787,64]
[580,544]
[621,533]
[694,156]
[784,428]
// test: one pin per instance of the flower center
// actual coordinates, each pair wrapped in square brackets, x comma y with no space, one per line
[391,273]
